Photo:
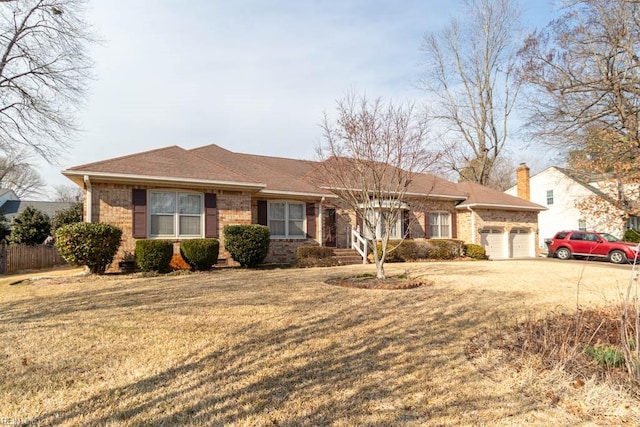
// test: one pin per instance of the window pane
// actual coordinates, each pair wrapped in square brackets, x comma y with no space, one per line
[164,203]
[161,225]
[433,218]
[296,211]
[190,225]
[189,204]
[276,211]
[276,227]
[434,231]
[296,228]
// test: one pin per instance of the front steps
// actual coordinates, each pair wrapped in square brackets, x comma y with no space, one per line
[347,256]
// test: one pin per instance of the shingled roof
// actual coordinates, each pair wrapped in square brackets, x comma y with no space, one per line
[165,164]
[214,165]
[279,174]
[479,196]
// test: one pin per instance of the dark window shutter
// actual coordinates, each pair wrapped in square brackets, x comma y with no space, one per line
[454,225]
[406,231]
[262,212]
[210,215]
[427,230]
[139,202]
[311,220]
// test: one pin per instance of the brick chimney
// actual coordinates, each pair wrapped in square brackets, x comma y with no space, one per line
[522,178]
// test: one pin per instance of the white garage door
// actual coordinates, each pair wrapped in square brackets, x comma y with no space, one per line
[493,241]
[520,243]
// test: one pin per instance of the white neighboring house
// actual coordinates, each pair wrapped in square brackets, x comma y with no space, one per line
[6,195]
[561,191]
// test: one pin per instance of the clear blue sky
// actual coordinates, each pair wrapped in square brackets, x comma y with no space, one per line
[250,75]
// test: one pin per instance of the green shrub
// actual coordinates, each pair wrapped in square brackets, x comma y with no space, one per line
[30,227]
[314,252]
[66,216]
[475,251]
[444,248]
[90,244]
[200,254]
[632,235]
[154,255]
[247,244]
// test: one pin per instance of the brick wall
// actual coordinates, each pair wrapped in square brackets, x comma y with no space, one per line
[112,204]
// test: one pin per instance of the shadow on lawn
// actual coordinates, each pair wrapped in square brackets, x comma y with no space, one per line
[351,357]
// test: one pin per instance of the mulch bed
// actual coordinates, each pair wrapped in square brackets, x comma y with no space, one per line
[372,282]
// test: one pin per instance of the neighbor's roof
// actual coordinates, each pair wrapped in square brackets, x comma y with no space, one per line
[11,208]
[479,196]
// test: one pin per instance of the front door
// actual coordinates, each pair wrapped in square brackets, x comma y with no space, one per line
[329,227]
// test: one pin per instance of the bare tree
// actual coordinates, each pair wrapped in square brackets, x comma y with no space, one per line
[471,72]
[43,70]
[584,73]
[370,155]
[67,193]
[17,174]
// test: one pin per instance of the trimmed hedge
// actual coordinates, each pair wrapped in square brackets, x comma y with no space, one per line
[154,255]
[247,244]
[472,250]
[200,254]
[90,244]
[632,235]
[315,252]
[412,250]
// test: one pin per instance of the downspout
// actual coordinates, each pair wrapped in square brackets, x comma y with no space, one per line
[88,198]
[320,216]
[473,225]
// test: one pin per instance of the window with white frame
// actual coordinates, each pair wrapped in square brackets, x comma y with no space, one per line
[633,222]
[440,225]
[175,214]
[549,197]
[380,218]
[286,219]
[582,225]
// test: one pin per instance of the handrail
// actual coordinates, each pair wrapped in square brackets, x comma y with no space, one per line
[360,244]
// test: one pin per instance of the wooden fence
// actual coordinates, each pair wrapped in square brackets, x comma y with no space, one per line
[21,257]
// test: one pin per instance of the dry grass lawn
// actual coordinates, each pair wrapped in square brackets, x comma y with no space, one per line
[280,347]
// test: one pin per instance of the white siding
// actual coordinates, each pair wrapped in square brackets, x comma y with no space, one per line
[563,214]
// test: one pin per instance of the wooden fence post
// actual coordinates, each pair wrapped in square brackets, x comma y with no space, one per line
[3,256]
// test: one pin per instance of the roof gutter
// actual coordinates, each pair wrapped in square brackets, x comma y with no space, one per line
[489,205]
[89,198]
[123,178]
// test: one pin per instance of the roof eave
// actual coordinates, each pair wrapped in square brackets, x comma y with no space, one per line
[499,206]
[296,193]
[148,179]
[411,194]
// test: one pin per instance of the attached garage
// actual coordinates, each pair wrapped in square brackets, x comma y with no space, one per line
[493,241]
[520,243]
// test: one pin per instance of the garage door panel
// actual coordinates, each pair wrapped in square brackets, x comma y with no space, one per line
[493,242]
[520,243]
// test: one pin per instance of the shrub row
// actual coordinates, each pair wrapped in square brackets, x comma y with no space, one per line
[157,255]
[95,245]
[411,250]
